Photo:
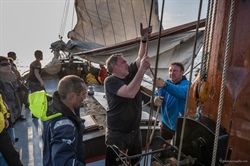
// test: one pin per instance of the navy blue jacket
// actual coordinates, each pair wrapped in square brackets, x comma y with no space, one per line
[62,137]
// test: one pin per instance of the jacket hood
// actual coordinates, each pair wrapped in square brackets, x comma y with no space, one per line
[56,106]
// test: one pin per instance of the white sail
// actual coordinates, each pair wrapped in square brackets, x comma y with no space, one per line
[105,27]
[108,22]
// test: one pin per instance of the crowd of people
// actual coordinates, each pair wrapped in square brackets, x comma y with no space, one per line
[62,134]
[14,95]
[11,108]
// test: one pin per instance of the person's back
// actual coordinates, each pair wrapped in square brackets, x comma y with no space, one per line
[62,135]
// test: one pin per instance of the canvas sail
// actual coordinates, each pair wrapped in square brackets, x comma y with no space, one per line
[108,22]
[174,48]
[105,27]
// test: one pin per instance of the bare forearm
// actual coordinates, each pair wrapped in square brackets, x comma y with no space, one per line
[133,87]
[141,53]
[38,77]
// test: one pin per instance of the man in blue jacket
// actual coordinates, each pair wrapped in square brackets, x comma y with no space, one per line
[63,134]
[172,99]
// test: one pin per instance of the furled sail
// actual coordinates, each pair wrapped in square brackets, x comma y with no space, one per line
[174,48]
[108,22]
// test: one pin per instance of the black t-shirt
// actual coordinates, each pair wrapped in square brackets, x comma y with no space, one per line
[124,114]
[34,65]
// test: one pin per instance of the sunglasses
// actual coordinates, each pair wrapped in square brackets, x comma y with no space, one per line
[4,64]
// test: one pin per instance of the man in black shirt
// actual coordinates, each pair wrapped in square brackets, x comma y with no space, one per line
[124,99]
[35,81]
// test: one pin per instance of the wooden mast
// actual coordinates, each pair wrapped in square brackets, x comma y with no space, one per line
[236,106]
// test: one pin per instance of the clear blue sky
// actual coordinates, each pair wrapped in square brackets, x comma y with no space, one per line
[28,25]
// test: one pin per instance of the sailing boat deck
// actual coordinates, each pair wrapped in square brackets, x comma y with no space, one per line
[29,132]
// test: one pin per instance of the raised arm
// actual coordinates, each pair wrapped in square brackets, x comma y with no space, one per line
[133,87]
[145,33]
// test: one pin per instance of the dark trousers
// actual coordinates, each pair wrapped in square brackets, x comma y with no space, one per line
[8,150]
[35,86]
[166,132]
[128,143]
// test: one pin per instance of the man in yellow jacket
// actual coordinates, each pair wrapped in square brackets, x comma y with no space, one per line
[7,149]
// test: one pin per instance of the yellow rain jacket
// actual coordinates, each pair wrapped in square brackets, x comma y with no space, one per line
[39,105]
[3,114]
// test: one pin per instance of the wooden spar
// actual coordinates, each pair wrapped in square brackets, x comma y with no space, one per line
[236,106]
[166,32]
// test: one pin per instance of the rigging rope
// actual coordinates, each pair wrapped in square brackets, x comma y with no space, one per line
[209,31]
[205,40]
[64,19]
[144,6]
[150,136]
[189,84]
[201,88]
[212,33]
[149,23]
[224,74]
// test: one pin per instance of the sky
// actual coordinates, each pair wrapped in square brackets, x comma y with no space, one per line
[30,25]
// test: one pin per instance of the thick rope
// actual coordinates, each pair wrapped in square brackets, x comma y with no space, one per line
[144,7]
[149,23]
[224,74]
[205,39]
[148,141]
[203,69]
[212,34]
[189,84]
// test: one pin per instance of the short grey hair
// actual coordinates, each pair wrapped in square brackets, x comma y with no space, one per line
[111,61]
